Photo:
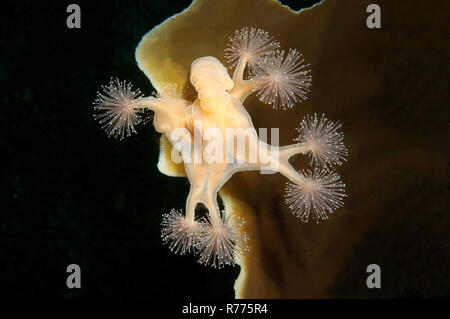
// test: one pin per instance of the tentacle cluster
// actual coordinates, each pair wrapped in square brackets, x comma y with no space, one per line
[217,243]
[115,108]
[280,78]
[283,79]
[325,143]
[222,242]
[251,44]
[180,233]
[120,108]
[319,190]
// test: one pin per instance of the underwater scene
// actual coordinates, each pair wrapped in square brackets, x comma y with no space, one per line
[203,151]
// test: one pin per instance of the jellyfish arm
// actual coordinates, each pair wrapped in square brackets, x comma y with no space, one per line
[278,156]
[242,88]
[283,156]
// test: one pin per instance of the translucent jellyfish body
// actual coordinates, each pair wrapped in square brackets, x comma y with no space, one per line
[214,137]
